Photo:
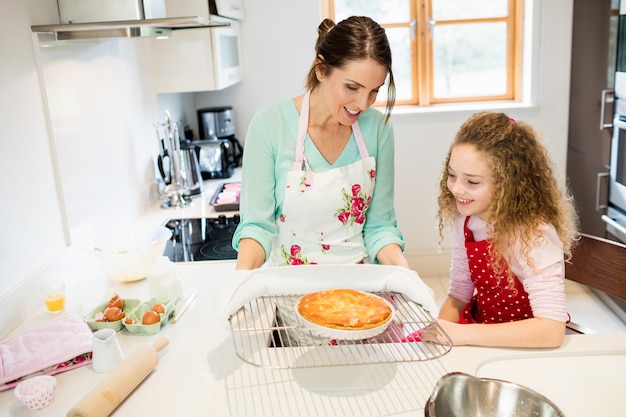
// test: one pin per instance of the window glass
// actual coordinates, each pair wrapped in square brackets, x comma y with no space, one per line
[400,43]
[387,11]
[464,9]
[470,60]
[449,50]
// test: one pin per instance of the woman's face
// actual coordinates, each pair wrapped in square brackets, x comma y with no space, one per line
[470,180]
[349,90]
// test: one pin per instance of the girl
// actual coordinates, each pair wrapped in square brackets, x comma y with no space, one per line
[513,226]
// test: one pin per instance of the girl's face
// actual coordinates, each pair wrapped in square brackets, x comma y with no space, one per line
[470,180]
[349,90]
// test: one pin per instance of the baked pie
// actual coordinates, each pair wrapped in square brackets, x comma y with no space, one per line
[344,309]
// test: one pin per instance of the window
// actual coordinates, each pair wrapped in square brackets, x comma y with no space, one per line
[447,51]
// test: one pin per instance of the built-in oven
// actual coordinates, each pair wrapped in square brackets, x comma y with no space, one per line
[615,217]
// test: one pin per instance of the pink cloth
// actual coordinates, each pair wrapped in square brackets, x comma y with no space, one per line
[53,347]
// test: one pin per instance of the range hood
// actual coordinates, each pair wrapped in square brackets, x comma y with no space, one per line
[136,28]
[92,19]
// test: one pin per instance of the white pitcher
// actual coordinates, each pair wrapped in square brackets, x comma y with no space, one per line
[107,353]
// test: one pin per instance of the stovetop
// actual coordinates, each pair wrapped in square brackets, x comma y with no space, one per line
[201,239]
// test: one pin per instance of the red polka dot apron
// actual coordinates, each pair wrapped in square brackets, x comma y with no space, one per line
[323,213]
[492,302]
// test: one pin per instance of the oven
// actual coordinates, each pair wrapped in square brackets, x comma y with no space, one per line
[202,239]
[615,217]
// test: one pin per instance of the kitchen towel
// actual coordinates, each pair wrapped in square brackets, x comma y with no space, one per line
[53,347]
[245,286]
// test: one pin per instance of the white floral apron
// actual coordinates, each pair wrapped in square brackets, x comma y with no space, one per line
[323,213]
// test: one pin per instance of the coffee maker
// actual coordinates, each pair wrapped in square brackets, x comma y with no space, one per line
[218,124]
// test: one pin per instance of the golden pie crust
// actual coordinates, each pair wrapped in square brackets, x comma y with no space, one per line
[344,309]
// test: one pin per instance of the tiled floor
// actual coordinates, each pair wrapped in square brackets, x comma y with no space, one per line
[584,307]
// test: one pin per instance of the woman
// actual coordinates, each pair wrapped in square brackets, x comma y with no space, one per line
[317,181]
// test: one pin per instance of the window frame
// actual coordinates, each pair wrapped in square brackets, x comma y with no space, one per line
[422,62]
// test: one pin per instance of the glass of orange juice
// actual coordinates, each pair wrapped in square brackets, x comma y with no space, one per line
[54,293]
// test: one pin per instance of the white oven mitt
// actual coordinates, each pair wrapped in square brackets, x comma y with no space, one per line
[244,286]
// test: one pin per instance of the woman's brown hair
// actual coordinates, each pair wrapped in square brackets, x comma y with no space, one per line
[352,39]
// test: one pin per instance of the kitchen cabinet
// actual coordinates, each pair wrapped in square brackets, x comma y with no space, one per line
[592,68]
[197,60]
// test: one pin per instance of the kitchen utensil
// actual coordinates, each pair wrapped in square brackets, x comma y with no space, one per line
[126,255]
[184,305]
[457,395]
[107,353]
[226,197]
[163,159]
[36,392]
[179,181]
[214,158]
[190,168]
[115,387]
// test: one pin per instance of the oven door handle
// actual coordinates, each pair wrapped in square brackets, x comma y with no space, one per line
[613,223]
[600,175]
[603,101]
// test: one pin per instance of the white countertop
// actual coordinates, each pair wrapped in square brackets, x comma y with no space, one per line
[199,373]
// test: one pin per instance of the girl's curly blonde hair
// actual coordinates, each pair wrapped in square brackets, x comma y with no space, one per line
[526,193]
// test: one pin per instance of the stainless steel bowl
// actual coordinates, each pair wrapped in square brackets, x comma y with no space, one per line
[461,395]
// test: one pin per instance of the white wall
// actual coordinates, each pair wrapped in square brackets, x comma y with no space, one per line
[277,56]
[33,226]
[78,146]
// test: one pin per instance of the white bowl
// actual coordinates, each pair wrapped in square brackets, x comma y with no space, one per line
[36,392]
[127,256]
[340,334]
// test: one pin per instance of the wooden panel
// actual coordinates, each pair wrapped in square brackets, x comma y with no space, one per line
[600,264]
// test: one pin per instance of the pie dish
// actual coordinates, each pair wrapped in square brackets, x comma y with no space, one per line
[344,314]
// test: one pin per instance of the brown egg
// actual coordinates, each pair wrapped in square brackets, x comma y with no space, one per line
[159,308]
[114,314]
[129,320]
[150,317]
[116,301]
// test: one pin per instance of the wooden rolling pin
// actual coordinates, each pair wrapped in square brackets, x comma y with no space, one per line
[115,387]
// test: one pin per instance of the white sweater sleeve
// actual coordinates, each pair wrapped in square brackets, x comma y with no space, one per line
[461,285]
[545,284]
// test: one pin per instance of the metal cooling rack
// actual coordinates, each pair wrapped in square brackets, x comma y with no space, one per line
[267,333]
